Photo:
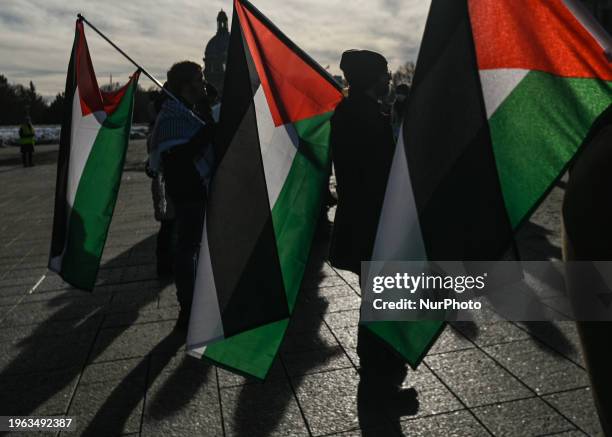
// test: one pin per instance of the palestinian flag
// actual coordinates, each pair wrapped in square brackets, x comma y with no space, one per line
[93,142]
[266,196]
[504,94]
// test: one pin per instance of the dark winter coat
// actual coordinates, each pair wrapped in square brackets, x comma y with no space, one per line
[362,148]
[183,182]
[587,217]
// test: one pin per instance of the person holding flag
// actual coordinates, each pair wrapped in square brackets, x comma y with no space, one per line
[362,147]
[180,144]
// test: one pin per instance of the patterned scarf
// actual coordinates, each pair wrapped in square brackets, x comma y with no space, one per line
[176,125]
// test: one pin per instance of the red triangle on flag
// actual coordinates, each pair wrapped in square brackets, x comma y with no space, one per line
[535,35]
[92,99]
[89,92]
[293,88]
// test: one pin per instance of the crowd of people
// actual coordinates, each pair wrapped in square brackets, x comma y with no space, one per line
[363,138]
[181,164]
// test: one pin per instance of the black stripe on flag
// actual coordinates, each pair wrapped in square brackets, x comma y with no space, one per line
[60,217]
[448,145]
[241,237]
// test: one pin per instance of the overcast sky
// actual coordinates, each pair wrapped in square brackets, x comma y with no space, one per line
[36,35]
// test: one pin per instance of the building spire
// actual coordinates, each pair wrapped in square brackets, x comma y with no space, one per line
[215,54]
[222,22]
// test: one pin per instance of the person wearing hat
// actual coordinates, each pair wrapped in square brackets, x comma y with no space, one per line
[362,148]
[27,138]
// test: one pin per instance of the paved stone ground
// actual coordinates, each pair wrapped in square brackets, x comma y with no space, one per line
[109,358]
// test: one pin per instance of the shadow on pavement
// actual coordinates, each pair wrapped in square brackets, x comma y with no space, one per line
[40,157]
[549,334]
[533,244]
[111,418]
[55,352]
[41,378]
[261,407]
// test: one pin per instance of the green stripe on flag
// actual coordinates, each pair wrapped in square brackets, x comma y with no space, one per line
[412,340]
[544,120]
[96,196]
[251,352]
[296,212]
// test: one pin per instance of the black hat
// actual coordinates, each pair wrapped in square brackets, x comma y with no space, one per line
[362,68]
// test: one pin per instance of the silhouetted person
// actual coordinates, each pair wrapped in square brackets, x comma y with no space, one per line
[27,139]
[162,204]
[587,217]
[362,147]
[183,143]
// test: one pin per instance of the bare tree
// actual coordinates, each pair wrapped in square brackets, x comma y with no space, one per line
[404,74]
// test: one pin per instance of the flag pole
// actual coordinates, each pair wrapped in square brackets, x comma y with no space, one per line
[144,71]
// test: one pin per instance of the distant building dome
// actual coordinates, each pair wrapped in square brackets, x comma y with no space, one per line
[215,54]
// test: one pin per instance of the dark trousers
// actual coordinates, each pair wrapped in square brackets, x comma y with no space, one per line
[165,247]
[382,370]
[189,222]
[26,158]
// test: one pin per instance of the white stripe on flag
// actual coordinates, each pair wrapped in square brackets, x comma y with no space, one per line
[82,138]
[278,147]
[205,324]
[498,84]
[197,352]
[399,235]
[83,134]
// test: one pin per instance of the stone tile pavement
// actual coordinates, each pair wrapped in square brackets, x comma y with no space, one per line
[110,359]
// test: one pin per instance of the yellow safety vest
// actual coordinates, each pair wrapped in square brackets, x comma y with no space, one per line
[26,134]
